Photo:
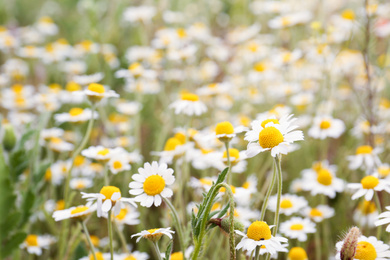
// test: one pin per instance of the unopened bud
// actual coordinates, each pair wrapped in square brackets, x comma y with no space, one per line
[9,139]
[348,249]
[224,224]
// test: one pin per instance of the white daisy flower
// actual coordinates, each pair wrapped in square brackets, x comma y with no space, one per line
[34,243]
[74,212]
[272,135]
[366,214]
[322,180]
[58,145]
[326,126]
[154,234]
[88,79]
[96,92]
[101,153]
[259,234]
[119,163]
[366,157]
[367,186]
[108,198]
[46,134]
[367,248]
[318,213]
[135,255]
[384,219]
[225,131]
[289,204]
[189,104]
[298,227]
[297,253]
[80,183]
[127,216]
[174,148]
[75,115]
[237,160]
[150,183]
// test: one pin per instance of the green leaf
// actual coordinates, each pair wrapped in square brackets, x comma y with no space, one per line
[168,252]
[9,224]
[18,163]
[25,137]
[12,244]
[223,211]
[7,197]
[221,176]
[80,251]
[28,202]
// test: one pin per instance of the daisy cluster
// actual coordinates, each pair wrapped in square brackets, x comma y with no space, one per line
[118,119]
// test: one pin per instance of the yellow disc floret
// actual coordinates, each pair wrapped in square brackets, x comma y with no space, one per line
[367,207]
[189,97]
[99,256]
[154,185]
[364,149]
[324,177]
[297,253]
[315,213]
[107,191]
[259,230]
[32,240]
[171,144]
[76,111]
[117,165]
[79,209]
[348,14]
[369,182]
[365,251]
[177,256]
[103,152]
[270,137]
[234,155]
[296,227]
[325,124]
[286,204]
[97,88]
[224,128]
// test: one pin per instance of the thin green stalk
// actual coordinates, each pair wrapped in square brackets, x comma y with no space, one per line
[106,180]
[109,223]
[269,191]
[122,238]
[378,204]
[278,161]
[229,174]
[88,239]
[177,223]
[157,250]
[318,245]
[257,254]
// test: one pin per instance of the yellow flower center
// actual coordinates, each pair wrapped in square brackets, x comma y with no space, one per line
[95,240]
[315,213]
[246,185]
[245,121]
[265,122]
[367,207]
[259,67]
[369,182]
[60,205]
[131,257]
[317,166]
[224,128]
[296,227]
[286,204]
[79,209]
[80,185]
[122,214]
[103,152]
[270,137]
[207,182]
[189,97]
[75,111]
[234,154]
[324,177]
[45,19]
[95,87]
[107,191]
[348,14]
[287,57]
[259,230]
[72,86]
[364,149]
[55,140]
[297,253]
[384,171]
[117,165]
[286,21]
[86,45]
[231,187]
[154,185]
[32,240]
[171,144]
[181,33]
[48,174]
[99,256]
[181,137]
[365,251]
[325,124]
[79,160]
[177,256]
[134,66]
[17,88]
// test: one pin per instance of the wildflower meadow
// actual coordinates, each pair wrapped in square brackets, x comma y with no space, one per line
[194,129]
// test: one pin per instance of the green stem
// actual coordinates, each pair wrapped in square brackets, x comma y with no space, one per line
[378,204]
[106,180]
[229,174]
[109,223]
[257,254]
[88,239]
[269,191]
[177,223]
[157,250]
[278,161]
[318,245]
[122,238]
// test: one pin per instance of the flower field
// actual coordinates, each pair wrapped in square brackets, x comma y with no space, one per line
[219,129]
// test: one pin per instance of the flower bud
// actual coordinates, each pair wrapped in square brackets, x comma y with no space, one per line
[224,224]
[348,249]
[9,138]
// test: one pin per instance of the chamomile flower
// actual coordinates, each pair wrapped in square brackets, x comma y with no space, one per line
[368,185]
[119,163]
[101,153]
[384,219]
[298,228]
[189,104]
[272,135]
[78,212]
[318,213]
[58,145]
[80,183]
[326,126]
[366,214]
[154,234]
[174,148]
[135,255]
[109,198]
[127,216]
[259,234]
[96,92]
[150,184]
[75,115]
[34,243]
[366,157]
[297,253]
[369,248]
[225,131]
[289,204]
